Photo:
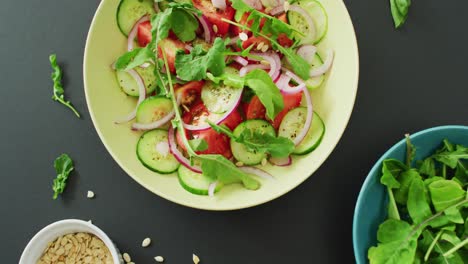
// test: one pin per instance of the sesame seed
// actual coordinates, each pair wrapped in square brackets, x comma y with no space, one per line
[159,259]
[146,242]
[195,259]
[243,36]
[90,195]
[286,6]
[127,257]
[215,28]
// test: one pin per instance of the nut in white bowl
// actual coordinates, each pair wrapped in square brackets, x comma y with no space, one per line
[38,244]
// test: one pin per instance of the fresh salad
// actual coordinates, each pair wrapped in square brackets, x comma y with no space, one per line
[222,86]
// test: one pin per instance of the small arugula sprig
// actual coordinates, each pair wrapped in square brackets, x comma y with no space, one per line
[399,10]
[298,64]
[427,208]
[211,164]
[63,166]
[59,92]
[254,140]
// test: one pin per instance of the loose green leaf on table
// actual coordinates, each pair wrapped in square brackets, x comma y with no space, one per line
[399,10]
[63,167]
[59,92]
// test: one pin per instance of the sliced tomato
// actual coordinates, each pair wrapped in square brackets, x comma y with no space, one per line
[255,109]
[190,93]
[283,39]
[233,120]
[255,41]
[291,101]
[144,33]
[170,46]
[215,16]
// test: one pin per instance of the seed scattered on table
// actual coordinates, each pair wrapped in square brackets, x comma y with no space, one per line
[159,259]
[127,257]
[195,259]
[146,242]
[90,194]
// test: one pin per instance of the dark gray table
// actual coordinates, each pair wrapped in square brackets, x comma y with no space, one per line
[411,79]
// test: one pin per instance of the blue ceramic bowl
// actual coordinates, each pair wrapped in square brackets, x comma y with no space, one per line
[371,206]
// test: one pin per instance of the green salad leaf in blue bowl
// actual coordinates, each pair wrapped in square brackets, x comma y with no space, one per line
[413,205]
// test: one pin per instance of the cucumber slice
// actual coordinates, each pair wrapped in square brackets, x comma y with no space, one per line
[152,109]
[149,149]
[130,11]
[315,82]
[218,98]
[195,183]
[318,14]
[130,86]
[240,151]
[292,124]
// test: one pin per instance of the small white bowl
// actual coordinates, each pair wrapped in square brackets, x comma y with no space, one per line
[38,243]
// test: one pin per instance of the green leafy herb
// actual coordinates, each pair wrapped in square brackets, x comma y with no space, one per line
[427,214]
[196,64]
[231,79]
[63,166]
[259,142]
[264,87]
[59,92]
[399,10]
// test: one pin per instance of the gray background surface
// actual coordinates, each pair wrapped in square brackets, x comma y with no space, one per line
[411,79]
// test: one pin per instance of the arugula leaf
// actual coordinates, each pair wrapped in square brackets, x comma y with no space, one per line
[229,78]
[391,170]
[397,243]
[264,87]
[405,179]
[445,193]
[63,166]
[451,157]
[418,206]
[134,59]
[428,167]
[184,25]
[259,142]
[198,144]
[194,66]
[299,64]
[218,167]
[271,25]
[59,92]
[399,10]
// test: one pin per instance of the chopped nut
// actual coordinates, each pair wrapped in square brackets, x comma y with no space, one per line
[146,242]
[159,259]
[243,36]
[195,259]
[90,194]
[127,257]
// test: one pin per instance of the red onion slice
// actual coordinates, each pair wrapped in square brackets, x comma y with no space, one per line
[244,70]
[256,171]
[188,47]
[157,124]
[207,28]
[257,4]
[134,31]
[325,66]
[234,40]
[141,97]
[181,158]
[300,84]
[282,162]
[212,188]
[307,52]
[308,121]
[274,62]
[310,37]
[235,103]
[241,60]
[221,4]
